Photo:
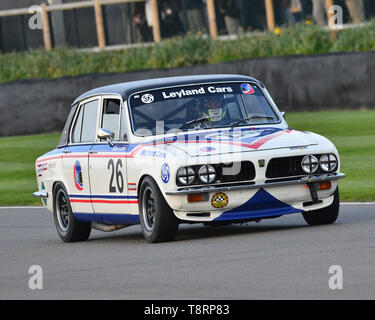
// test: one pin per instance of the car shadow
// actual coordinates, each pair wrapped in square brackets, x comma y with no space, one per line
[198,231]
[205,232]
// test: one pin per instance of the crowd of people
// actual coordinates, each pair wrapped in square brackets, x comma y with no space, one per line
[189,16]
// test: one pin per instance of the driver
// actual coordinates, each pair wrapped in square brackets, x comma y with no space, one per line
[213,108]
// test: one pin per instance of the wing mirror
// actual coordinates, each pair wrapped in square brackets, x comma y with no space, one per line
[283,114]
[107,135]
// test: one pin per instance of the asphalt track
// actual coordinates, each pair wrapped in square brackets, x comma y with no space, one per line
[275,259]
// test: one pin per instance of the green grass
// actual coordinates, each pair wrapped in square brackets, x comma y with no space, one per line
[183,51]
[17,171]
[353,133]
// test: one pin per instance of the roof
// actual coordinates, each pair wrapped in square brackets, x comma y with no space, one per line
[127,88]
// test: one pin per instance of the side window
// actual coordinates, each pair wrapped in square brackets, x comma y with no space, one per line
[76,133]
[90,115]
[111,116]
[65,134]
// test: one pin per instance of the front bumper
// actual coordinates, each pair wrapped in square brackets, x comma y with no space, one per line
[304,180]
[41,194]
[252,201]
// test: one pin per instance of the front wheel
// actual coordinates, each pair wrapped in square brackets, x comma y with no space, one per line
[68,227]
[326,215]
[158,221]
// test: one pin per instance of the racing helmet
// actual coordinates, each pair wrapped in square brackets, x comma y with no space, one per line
[213,107]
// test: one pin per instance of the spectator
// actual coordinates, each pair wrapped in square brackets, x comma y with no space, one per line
[170,22]
[356,10]
[319,12]
[296,10]
[231,15]
[140,22]
[195,16]
[286,15]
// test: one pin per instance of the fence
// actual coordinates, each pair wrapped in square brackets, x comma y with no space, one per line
[216,20]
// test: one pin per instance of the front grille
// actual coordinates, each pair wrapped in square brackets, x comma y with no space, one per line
[287,167]
[227,173]
[235,172]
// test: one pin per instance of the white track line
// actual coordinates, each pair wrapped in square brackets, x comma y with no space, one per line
[342,203]
[357,203]
[6,208]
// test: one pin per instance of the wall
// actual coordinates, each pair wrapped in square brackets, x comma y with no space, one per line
[330,81]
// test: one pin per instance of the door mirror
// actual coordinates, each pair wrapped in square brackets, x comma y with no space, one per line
[283,114]
[107,135]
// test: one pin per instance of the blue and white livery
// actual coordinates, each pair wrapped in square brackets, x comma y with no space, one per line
[200,149]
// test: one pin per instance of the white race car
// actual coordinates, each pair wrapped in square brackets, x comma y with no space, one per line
[198,149]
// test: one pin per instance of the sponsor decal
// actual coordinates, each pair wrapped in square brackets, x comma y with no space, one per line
[193,92]
[247,88]
[42,167]
[78,182]
[147,98]
[152,154]
[165,173]
[219,200]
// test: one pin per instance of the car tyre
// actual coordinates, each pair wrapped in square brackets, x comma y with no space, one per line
[68,227]
[326,215]
[158,222]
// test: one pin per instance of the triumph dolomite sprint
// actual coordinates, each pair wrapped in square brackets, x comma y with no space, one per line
[197,149]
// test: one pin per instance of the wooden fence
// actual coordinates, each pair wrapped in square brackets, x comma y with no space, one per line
[97,5]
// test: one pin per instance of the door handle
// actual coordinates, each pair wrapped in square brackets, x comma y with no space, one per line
[92,152]
[67,151]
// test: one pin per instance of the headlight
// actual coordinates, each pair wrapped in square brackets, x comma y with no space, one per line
[207,173]
[186,175]
[328,162]
[310,164]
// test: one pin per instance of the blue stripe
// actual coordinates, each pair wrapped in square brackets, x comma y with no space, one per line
[84,196]
[108,218]
[261,205]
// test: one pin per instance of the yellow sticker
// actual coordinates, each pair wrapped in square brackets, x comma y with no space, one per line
[219,200]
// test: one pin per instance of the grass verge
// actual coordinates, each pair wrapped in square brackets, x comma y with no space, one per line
[184,51]
[353,133]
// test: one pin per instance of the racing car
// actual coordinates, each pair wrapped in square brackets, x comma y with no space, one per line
[211,149]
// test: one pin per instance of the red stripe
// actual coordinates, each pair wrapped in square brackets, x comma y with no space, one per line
[62,156]
[105,201]
[256,145]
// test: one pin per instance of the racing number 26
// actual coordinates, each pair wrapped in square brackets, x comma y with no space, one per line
[119,177]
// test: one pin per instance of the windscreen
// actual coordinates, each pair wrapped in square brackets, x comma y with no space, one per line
[199,107]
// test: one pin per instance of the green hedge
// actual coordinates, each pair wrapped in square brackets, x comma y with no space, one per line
[184,51]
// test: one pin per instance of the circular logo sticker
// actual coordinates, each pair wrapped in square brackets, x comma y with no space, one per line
[147,98]
[219,200]
[165,173]
[247,88]
[78,176]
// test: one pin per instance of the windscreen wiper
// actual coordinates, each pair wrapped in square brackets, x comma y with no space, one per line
[257,116]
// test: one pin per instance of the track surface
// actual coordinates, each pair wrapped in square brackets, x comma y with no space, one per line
[275,259]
